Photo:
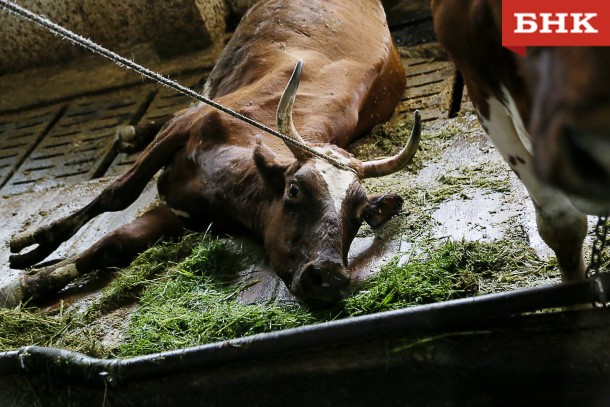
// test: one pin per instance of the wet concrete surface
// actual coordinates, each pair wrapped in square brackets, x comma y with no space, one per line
[28,211]
[474,214]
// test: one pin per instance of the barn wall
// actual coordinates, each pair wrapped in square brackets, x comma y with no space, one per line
[173,27]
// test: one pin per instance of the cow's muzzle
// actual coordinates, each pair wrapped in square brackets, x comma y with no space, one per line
[321,284]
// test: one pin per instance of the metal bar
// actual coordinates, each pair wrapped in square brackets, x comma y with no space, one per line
[77,368]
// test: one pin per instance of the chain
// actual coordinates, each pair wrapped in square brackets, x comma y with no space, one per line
[127,63]
[600,242]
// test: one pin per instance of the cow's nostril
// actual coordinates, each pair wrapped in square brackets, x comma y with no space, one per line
[314,274]
[322,275]
[326,280]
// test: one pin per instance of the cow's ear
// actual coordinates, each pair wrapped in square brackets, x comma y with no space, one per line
[381,208]
[269,167]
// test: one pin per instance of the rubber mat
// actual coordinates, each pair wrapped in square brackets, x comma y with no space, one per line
[79,145]
[20,133]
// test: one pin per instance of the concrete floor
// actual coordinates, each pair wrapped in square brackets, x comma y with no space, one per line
[56,135]
[473,215]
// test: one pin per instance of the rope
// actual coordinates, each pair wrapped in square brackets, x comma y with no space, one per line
[129,64]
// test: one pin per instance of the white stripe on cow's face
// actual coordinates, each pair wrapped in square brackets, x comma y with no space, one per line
[338,181]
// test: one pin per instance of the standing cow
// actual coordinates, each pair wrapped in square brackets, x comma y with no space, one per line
[548,115]
[220,170]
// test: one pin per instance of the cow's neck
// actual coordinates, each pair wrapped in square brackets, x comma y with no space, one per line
[225,156]
[240,193]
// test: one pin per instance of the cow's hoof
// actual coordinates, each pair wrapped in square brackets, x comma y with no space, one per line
[126,133]
[11,294]
[23,261]
[126,136]
[21,241]
[41,242]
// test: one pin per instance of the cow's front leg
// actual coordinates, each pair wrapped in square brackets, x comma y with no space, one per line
[116,249]
[117,196]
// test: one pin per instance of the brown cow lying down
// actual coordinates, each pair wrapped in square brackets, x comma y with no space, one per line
[219,170]
[548,114]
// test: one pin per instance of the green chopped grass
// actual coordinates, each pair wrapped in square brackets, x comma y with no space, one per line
[491,178]
[72,329]
[187,300]
[186,293]
[412,283]
[20,327]
[197,303]
[453,270]
[131,280]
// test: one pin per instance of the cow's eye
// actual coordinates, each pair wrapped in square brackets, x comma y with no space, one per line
[294,191]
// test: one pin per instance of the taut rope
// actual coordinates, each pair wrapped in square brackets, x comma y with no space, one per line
[127,63]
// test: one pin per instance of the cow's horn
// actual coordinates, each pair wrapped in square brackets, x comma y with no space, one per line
[386,166]
[284,113]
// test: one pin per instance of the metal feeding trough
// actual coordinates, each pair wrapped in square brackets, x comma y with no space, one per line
[477,351]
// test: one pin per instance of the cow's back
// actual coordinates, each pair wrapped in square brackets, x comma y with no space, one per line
[352,76]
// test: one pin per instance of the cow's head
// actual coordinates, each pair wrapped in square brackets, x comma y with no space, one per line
[570,121]
[317,208]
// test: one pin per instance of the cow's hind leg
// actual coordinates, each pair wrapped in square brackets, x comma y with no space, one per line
[133,138]
[116,249]
[561,226]
[117,196]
